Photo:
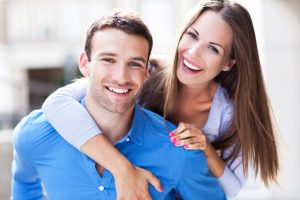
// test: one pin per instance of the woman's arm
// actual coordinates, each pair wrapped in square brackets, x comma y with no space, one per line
[71,120]
[74,123]
[233,179]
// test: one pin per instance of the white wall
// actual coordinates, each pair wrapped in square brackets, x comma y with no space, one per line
[5,85]
[282,42]
[13,87]
[277,26]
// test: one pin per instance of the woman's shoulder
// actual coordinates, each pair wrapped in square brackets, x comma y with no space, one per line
[220,114]
[225,109]
[222,103]
[222,97]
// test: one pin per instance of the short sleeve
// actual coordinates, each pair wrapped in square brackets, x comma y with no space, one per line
[71,120]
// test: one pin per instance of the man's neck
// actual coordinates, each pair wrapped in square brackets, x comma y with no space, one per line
[113,125]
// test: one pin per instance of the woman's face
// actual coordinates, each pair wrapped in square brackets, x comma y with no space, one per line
[204,50]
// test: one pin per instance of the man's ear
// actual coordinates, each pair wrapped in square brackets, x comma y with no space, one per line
[229,65]
[84,64]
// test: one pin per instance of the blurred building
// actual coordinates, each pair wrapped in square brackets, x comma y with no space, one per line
[40,41]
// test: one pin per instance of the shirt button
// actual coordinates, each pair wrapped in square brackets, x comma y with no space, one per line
[127,139]
[101,188]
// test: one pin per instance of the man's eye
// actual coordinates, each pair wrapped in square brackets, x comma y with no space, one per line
[192,35]
[109,60]
[135,64]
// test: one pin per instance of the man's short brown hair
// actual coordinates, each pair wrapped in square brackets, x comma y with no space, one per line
[128,22]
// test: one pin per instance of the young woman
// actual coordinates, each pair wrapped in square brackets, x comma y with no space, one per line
[214,90]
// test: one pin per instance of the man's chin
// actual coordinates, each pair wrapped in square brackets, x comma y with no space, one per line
[115,105]
[119,108]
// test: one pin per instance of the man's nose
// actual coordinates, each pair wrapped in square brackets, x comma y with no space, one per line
[121,74]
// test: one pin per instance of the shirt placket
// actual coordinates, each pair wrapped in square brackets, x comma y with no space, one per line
[102,182]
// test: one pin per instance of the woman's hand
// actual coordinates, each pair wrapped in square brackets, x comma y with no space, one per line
[132,184]
[188,136]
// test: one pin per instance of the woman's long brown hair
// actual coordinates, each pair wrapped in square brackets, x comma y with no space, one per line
[251,131]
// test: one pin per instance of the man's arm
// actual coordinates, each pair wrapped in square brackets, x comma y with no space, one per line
[195,180]
[25,181]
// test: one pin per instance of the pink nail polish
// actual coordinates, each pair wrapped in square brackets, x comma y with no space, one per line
[171,134]
[186,146]
[177,143]
[161,189]
[173,140]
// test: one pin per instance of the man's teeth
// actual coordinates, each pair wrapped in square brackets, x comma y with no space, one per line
[118,90]
[189,65]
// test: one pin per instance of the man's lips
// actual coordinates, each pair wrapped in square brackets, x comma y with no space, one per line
[118,90]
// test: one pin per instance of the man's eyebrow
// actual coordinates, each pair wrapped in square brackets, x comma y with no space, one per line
[106,53]
[141,59]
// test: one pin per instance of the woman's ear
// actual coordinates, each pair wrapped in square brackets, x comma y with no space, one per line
[229,65]
[84,64]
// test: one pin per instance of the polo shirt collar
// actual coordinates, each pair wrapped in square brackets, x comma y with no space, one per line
[136,132]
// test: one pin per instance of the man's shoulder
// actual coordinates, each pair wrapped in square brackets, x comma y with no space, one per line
[195,172]
[32,131]
[157,122]
[35,122]
[157,130]
[186,164]
[159,127]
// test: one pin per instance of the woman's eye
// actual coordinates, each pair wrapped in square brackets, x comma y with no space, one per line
[192,35]
[214,49]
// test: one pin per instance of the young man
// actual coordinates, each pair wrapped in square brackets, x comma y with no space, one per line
[115,60]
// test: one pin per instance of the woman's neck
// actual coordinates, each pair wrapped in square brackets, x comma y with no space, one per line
[200,93]
[194,104]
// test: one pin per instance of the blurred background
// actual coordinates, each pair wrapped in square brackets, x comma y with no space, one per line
[40,41]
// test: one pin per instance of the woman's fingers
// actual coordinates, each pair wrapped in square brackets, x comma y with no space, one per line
[189,133]
[188,136]
[181,128]
[192,143]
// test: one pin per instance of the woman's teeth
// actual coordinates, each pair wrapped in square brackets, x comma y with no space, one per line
[191,66]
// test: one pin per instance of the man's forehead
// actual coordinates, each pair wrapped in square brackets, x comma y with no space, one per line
[115,42]
[115,33]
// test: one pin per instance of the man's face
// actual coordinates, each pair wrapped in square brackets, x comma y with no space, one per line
[117,69]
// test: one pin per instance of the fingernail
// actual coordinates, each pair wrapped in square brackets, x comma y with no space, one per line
[177,143]
[161,189]
[186,146]
[171,134]
[173,140]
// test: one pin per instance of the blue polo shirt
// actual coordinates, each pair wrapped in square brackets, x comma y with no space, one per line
[42,156]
